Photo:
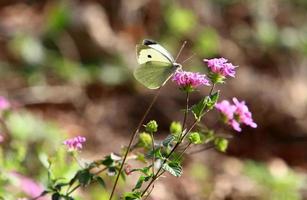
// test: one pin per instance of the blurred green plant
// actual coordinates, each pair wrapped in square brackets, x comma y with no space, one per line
[280,184]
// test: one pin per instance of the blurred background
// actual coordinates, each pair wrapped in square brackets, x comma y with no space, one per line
[66,67]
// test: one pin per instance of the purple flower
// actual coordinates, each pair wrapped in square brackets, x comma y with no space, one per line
[189,79]
[4,103]
[235,114]
[75,143]
[243,114]
[221,66]
[226,109]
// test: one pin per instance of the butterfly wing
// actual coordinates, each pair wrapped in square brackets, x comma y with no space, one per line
[155,52]
[154,74]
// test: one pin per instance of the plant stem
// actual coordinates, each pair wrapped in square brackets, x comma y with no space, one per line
[186,111]
[202,149]
[71,191]
[184,150]
[131,140]
[153,150]
[212,88]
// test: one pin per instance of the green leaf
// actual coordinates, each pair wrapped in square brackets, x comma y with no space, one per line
[56,196]
[100,181]
[108,161]
[173,168]
[199,108]
[212,100]
[221,144]
[145,170]
[140,181]
[132,195]
[84,177]
[204,105]
[168,140]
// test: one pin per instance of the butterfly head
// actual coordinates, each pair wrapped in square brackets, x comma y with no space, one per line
[177,65]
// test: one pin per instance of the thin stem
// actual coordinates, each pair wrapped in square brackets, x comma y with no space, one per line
[153,150]
[212,88]
[76,159]
[202,149]
[186,111]
[131,141]
[71,191]
[152,188]
[184,150]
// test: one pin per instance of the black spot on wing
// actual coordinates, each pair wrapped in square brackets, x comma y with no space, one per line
[149,56]
[148,42]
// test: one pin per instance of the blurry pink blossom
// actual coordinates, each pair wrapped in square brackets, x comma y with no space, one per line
[1,138]
[226,109]
[186,79]
[4,103]
[221,66]
[236,114]
[75,143]
[28,185]
[243,113]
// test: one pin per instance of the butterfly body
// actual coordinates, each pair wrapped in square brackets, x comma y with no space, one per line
[156,64]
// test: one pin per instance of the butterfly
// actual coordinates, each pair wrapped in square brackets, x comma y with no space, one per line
[157,65]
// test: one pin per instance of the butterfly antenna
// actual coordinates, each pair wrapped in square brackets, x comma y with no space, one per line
[188,58]
[182,46]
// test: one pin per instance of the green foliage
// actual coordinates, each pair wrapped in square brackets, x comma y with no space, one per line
[283,185]
[204,105]
[173,168]
[180,20]
[141,180]
[208,42]
[216,78]
[132,195]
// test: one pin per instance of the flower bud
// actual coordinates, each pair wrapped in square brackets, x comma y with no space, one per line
[145,140]
[175,128]
[151,127]
[195,138]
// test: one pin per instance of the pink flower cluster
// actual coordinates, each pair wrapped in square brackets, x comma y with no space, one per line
[236,114]
[75,143]
[192,80]
[221,66]
[4,103]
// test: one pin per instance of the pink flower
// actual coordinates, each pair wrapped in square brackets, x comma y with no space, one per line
[75,143]
[4,103]
[1,138]
[243,113]
[221,66]
[189,79]
[226,109]
[236,114]
[28,185]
